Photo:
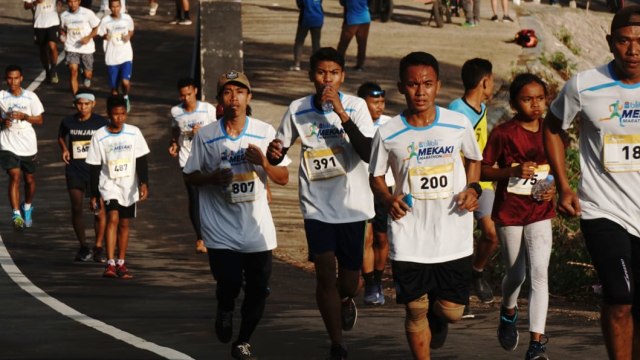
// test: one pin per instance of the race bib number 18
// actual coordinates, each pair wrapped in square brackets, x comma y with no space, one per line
[621,153]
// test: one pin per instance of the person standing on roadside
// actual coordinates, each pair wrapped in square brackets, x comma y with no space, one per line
[46,23]
[78,27]
[311,19]
[20,109]
[356,22]
[335,130]
[608,197]
[182,13]
[431,227]
[228,164]
[74,138]
[505,11]
[187,118]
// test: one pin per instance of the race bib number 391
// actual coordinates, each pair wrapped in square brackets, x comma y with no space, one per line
[324,163]
[431,182]
[621,153]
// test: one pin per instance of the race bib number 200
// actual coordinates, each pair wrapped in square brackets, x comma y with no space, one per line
[431,182]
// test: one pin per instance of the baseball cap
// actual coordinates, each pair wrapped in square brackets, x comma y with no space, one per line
[627,16]
[233,76]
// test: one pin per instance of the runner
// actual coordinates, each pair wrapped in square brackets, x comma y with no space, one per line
[228,163]
[20,109]
[187,119]
[477,78]
[431,231]
[74,138]
[117,30]
[332,127]
[45,33]
[608,198]
[376,245]
[117,157]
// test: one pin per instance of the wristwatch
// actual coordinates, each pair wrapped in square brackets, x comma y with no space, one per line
[476,187]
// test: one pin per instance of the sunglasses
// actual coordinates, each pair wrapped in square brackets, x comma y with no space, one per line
[376,93]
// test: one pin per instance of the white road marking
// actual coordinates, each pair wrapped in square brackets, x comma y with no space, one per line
[43,75]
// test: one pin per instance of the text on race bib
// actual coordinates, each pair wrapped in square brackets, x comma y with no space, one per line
[80,149]
[431,182]
[242,187]
[522,186]
[75,32]
[621,153]
[120,168]
[325,163]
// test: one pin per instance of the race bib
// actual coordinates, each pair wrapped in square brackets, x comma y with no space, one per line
[522,186]
[75,32]
[431,182]
[120,168]
[187,138]
[80,149]
[47,5]
[325,163]
[243,187]
[621,153]
[116,38]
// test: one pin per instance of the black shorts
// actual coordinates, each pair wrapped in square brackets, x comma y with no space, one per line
[447,281]
[616,256]
[9,160]
[124,212]
[77,181]
[41,36]
[380,220]
[346,241]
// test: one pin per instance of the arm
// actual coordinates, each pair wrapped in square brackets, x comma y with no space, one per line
[553,134]
[361,143]
[66,157]
[142,170]
[85,40]
[394,204]
[33,119]
[218,177]
[277,174]
[523,171]
[174,148]
[468,198]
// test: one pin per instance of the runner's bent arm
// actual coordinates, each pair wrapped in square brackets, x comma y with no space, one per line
[394,204]
[142,170]
[360,143]
[277,174]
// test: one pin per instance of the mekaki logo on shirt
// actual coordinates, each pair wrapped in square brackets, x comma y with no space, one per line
[119,147]
[324,131]
[234,157]
[627,113]
[430,149]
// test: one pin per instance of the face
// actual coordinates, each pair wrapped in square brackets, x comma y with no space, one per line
[115,7]
[419,85]
[74,5]
[118,117]
[14,80]
[188,94]
[234,99]
[625,46]
[531,102]
[375,105]
[327,73]
[84,107]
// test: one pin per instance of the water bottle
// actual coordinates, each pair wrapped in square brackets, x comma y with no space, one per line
[225,164]
[541,186]
[327,106]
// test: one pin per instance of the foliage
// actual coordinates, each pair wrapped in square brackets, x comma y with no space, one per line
[559,62]
[565,36]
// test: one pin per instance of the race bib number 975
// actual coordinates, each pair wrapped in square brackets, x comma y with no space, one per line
[621,153]
[522,186]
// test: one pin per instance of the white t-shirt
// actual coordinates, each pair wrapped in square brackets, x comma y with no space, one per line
[426,163]
[333,180]
[116,51]
[237,218]
[20,138]
[388,177]
[609,144]
[78,25]
[46,14]
[117,154]
[204,114]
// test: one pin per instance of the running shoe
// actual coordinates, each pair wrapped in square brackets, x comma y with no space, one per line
[439,328]
[28,221]
[467,314]
[495,18]
[153,8]
[53,77]
[468,24]
[175,21]
[123,272]
[98,254]
[371,294]
[508,331]
[242,351]
[200,248]
[537,349]
[294,68]
[338,352]
[349,314]
[128,102]
[110,271]
[481,287]
[84,254]
[87,83]
[507,18]
[224,325]
[185,22]
[380,293]
[18,222]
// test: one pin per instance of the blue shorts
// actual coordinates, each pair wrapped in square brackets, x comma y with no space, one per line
[119,72]
[345,240]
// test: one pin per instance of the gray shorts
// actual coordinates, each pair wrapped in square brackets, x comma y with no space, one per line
[76,58]
[485,204]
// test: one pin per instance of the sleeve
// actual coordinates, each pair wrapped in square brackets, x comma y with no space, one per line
[63,130]
[493,149]
[469,146]
[271,134]
[36,107]
[141,147]
[287,132]
[93,19]
[567,105]
[379,162]
[93,155]
[195,160]
[102,29]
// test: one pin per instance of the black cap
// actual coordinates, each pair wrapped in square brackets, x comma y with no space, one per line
[627,16]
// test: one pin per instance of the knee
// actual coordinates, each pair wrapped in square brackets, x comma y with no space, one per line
[490,236]
[257,292]
[617,311]
[416,315]
[451,312]
[29,179]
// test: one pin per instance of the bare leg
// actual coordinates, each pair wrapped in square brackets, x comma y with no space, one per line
[327,296]
[73,78]
[14,188]
[77,219]
[487,245]
[100,224]
[617,328]
[123,238]
[29,187]
[112,233]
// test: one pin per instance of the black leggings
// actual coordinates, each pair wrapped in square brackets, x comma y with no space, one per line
[194,208]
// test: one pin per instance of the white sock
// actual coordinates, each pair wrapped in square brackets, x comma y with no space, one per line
[27,206]
[111,262]
[120,262]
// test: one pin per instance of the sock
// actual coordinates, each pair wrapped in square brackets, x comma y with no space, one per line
[27,206]
[377,275]
[16,212]
[126,96]
[476,274]
[120,262]
[368,278]
[111,262]
[186,15]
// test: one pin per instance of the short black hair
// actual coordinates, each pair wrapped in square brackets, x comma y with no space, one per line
[115,101]
[184,82]
[524,79]
[474,70]
[365,89]
[12,68]
[627,16]
[419,58]
[325,54]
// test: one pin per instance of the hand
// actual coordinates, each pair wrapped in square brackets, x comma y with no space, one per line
[549,195]
[17,115]
[467,200]
[66,157]
[569,204]
[255,156]
[195,129]
[526,170]
[93,203]
[332,95]
[7,123]
[398,208]
[274,150]
[144,191]
[222,177]
[173,149]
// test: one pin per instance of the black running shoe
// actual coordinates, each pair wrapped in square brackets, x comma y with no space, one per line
[84,254]
[242,351]
[439,328]
[481,287]
[537,349]
[349,314]
[224,325]
[508,331]
[338,352]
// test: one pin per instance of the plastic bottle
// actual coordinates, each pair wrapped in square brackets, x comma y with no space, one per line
[224,163]
[541,186]
[327,106]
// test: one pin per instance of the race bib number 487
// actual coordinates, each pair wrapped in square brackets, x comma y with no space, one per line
[120,168]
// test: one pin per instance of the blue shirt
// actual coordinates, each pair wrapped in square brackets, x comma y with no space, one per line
[311,13]
[356,12]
